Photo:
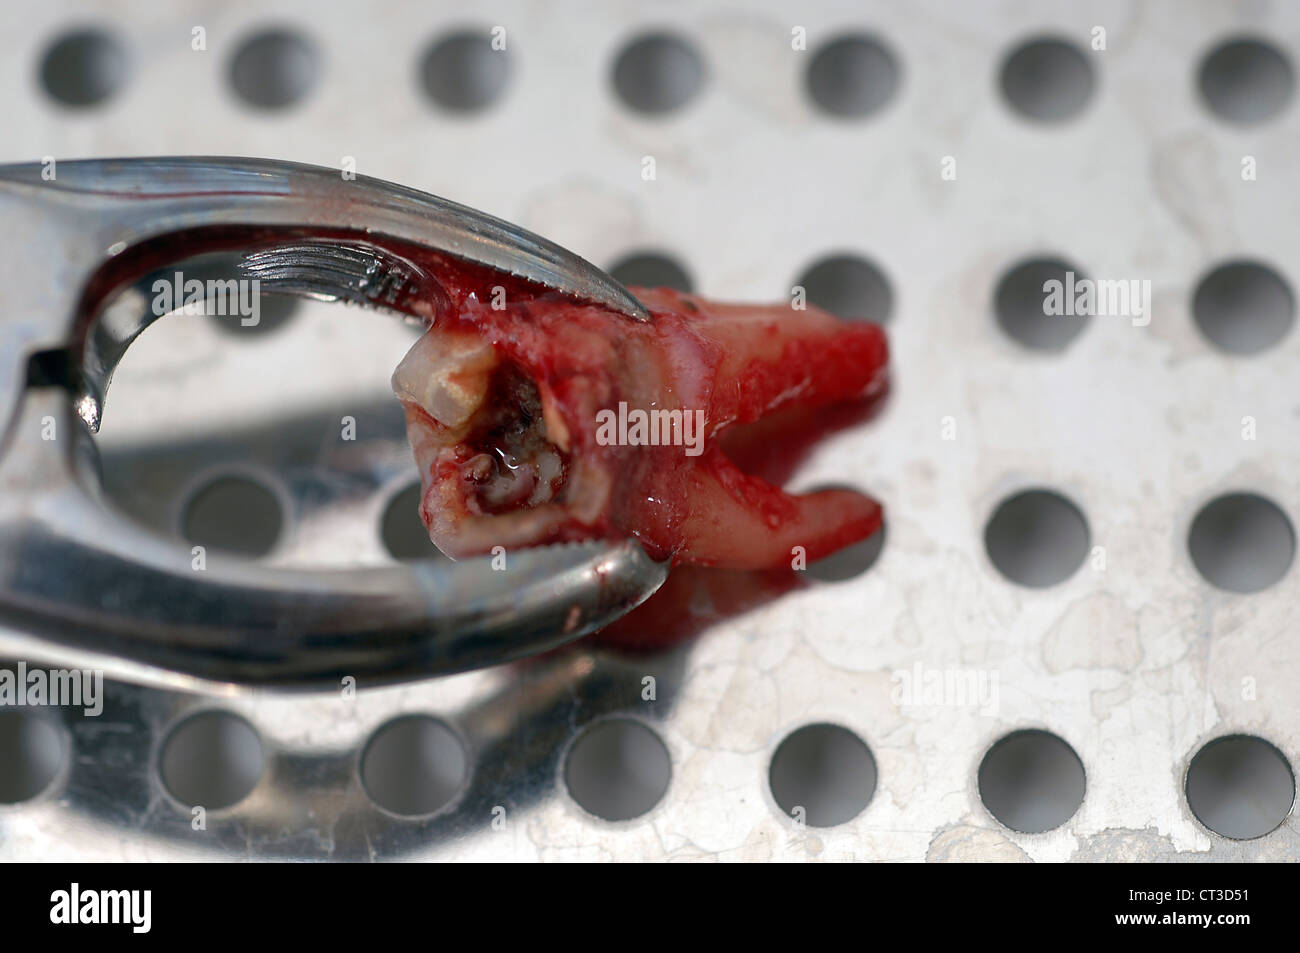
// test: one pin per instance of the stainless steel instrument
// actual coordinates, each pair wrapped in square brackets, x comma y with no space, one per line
[81,585]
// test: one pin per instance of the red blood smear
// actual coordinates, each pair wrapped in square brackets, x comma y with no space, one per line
[695,598]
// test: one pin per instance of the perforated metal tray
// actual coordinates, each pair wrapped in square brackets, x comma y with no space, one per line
[1135,660]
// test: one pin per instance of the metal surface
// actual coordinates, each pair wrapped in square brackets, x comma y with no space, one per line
[1136,665]
[170,619]
[93,211]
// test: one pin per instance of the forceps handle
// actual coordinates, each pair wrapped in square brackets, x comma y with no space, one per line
[83,587]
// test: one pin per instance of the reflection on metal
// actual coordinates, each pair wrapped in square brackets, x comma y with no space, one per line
[1135,665]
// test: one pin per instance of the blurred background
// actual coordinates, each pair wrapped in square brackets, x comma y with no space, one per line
[1077,638]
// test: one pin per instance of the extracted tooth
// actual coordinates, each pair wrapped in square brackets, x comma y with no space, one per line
[530,460]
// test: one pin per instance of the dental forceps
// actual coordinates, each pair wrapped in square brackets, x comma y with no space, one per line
[81,586]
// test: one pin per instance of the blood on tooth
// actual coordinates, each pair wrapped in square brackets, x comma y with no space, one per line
[552,365]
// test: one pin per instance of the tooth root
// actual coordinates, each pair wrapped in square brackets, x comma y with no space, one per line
[747,523]
[776,357]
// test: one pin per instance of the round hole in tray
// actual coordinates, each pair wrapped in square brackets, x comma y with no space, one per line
[463,73]
[233,514]
[414,765]
[849,286]
[651,270]
[212,759]
[617,769]
[402,531]
[825,770]
[273,313]
[1023,300]
[1241,542]
[1048,80]
[851,561]
[1246,80]
[274,69]
[1240,786]
[851,77]
[83,67]
[1037,538]
[33,750]
[1243,307]
[1031,781]
[658,73]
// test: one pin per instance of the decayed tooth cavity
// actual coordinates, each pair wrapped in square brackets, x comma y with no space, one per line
[549,470]
[505,481]
[513,462]
[509,484]
[447,374]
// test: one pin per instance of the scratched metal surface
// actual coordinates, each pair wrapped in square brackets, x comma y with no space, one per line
[1135,665]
